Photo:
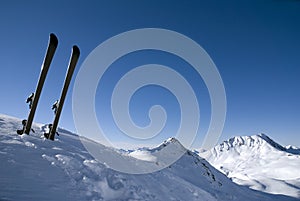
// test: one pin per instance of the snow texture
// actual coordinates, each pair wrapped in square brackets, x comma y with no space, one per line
[258,162]
[34,168]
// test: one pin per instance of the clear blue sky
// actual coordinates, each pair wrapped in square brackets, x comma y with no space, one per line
[254,44]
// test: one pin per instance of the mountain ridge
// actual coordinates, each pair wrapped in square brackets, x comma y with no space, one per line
[259,162]
[258,139]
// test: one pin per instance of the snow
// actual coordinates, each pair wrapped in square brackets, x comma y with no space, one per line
[258,162]
[34,168]
[143,155]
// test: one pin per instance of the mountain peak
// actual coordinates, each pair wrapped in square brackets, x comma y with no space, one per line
[172,140]
[170,144]
[259,162]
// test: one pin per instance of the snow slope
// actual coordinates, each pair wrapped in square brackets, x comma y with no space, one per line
[258,162]
[33,168]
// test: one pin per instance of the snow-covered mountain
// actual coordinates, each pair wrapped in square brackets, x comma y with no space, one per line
[33,168]
[258,162]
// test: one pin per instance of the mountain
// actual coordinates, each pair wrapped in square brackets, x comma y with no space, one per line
[258,162]
[33,168]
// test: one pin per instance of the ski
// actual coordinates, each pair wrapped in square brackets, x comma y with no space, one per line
[72,64]
[52,45]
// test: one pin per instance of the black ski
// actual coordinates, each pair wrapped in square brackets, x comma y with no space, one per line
[52,45]
[72,64]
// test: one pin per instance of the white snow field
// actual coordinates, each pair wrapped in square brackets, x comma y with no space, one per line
[33,168]
[258,162]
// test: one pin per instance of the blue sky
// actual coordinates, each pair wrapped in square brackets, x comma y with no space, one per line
[254,44]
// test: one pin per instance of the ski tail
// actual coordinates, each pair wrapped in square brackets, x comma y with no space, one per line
[72,64]
[52,45]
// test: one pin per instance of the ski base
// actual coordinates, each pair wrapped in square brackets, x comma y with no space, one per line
[46,135]
[22,131]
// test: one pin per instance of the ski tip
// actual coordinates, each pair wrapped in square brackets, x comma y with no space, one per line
[76,50]
[53,39]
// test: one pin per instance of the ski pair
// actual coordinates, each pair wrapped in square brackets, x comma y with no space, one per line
[34,98]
